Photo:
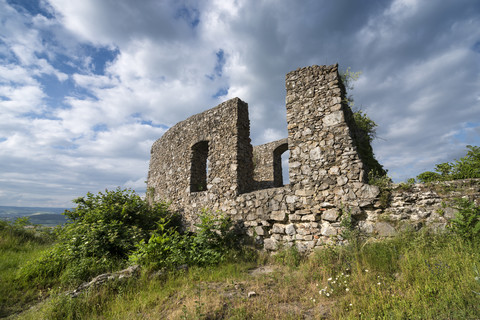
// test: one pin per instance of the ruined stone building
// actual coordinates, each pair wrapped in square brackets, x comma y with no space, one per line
[207,161]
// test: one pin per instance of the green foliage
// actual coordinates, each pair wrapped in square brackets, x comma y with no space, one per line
[17,246]
[365,125]
[465,168]
[102,232]
[168,248]
[406,186]
[348,230]
[467,220]
[348,77]
[414,275]
[384,183]
[290,256]
[429,176]
[14,233]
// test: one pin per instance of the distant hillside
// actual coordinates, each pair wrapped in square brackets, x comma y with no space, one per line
[37,215]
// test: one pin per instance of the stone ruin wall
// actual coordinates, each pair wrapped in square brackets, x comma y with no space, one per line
[207,161]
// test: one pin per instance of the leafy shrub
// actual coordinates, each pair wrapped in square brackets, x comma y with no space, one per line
[465,168]
[429,176]
[168,248]
[347,224]
[384,183]
[366,124]
[102,232]
[366,128]
[467,220]
[406,186]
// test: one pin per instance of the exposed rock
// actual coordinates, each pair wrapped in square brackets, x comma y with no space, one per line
[330,215]
[100,279]
[384,229]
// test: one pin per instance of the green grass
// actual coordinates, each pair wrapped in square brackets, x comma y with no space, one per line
[414,276]
[411,276]
[18,246]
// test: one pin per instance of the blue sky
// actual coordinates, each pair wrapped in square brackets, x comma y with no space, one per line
[87,86]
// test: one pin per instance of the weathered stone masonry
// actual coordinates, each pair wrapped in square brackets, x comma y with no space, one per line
[207,161]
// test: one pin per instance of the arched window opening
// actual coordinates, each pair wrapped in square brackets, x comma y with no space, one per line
[199,167]
[278,172]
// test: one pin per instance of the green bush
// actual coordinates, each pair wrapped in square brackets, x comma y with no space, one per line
[467,167]
[467,220]
[168,248]
[102,232]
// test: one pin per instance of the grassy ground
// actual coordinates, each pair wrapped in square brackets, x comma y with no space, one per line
[18,246]
[412,276]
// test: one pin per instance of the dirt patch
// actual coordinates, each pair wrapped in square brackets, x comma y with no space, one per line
[262,270]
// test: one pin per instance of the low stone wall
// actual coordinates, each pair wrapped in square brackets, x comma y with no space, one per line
[281,217]
[417,206]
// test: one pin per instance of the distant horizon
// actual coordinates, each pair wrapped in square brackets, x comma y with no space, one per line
[32,207]
[46,216]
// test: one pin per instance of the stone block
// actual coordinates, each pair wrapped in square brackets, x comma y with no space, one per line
[290,229]
[328,230]
[270,244]
[278,215]
[290,199]
[303,212]
[304,193]
[294,217]
[278,228]
[331,215]
[309,217]
[259,231]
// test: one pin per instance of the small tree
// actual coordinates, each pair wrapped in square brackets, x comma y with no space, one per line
[467,167]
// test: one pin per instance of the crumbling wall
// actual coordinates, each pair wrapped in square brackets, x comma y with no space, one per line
[207,161]
[219,138]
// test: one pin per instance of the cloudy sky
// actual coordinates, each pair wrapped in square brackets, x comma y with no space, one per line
[87,86]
